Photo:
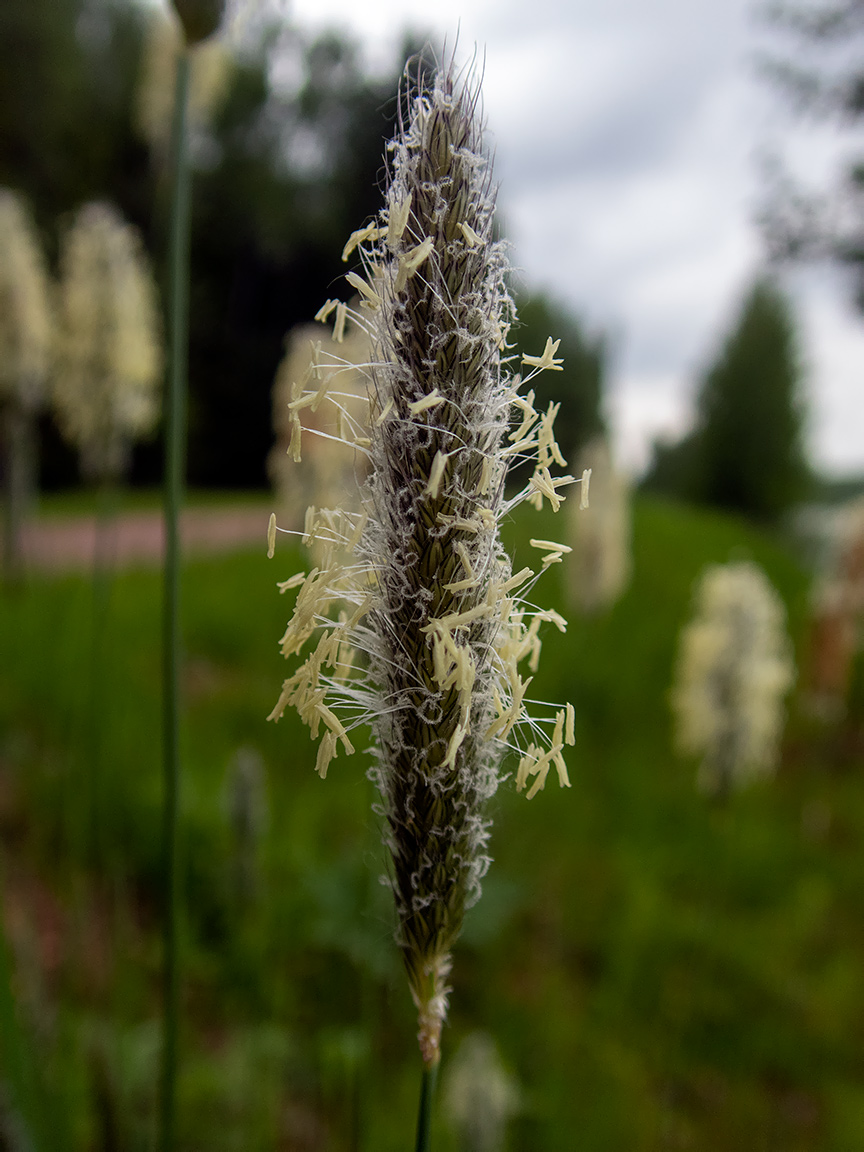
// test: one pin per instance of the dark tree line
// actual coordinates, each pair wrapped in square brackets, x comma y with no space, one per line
[579,386]
[266,237]
[746,451]
[284,179]
[817,67]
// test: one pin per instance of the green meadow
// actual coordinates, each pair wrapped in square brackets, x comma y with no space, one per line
[657,971]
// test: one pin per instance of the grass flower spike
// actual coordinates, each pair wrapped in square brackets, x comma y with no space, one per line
[735,666]
[420,627]
[109,354]
[599,563]
[25,308]
[26,331]
[329,475]
[210,78]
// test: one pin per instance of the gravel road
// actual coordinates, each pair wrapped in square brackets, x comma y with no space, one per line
[70,543]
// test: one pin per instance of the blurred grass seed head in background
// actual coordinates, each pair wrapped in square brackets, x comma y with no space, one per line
[200,18]
[209,80]
[735,666]
[25,305]
[109,342]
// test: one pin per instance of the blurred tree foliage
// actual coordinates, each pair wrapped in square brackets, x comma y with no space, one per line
[819,68]
[290,167]
[746,452]
[579,386]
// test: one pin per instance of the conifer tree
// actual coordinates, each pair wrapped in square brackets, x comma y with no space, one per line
[750,450]
[746,452]
[579,389]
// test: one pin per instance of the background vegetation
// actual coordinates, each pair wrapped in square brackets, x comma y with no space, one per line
[657,972]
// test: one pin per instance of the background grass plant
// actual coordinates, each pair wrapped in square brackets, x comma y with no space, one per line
[650,970]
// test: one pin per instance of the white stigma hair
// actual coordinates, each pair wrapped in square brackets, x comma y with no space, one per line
[735,666]
[109,353]
[431,626]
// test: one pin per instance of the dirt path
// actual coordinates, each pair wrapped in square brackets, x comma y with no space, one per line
[69,543]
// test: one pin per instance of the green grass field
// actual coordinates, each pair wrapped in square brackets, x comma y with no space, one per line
[658,972]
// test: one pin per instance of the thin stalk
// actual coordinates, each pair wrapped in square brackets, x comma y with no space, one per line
[424,1115]
[104,558]
[20,485]
[175,443]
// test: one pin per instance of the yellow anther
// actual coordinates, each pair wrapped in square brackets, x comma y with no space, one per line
[326,752]
[426,402]
[325,310]
[370,232]
[385,411]
[586,480]
[570,726]
[397,221]
[550,545]
[294,582]
[547,360]
[472,239]
[436,475]
[339,326]
[363,288]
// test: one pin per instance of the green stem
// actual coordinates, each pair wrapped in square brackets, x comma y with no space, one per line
[20,484]
[175,438]
[424,1116]
[103,566]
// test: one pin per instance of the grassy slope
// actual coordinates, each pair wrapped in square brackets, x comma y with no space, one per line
[658,973]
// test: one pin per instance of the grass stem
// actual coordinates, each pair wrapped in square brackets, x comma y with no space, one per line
[175,437]
[424,1115]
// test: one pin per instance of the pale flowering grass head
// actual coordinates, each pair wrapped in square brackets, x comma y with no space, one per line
[480,1095]
[211,71]
[328,476]
[735,666]
[837,614]
[109,350]
[26,320]
[419,626]
[598,568]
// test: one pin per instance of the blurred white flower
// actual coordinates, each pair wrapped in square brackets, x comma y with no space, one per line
[837,614]
[479,1095]
[735,666]
[109,353]
[598,568]
[211,67]
[330,476]
[25,348]
[25,305]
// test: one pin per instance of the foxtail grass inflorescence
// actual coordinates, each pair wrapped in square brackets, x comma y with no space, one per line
[421,624]
[210,73]
[599,564]
[837,610]
[480,1095]
[26,331]
[329,477]
[25,307]
[735,666]
[109,346]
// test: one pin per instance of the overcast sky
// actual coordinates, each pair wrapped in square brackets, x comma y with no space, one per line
[626,135]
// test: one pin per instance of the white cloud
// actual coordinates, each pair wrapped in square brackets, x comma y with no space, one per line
[625,136]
